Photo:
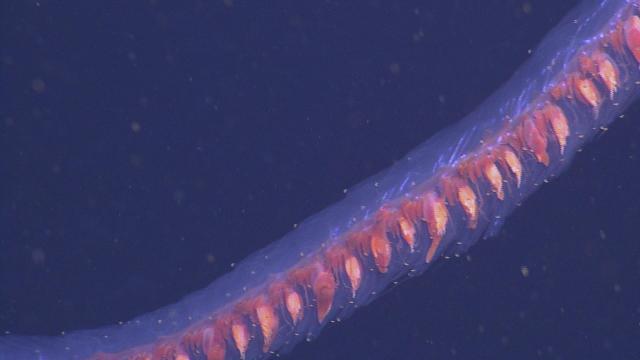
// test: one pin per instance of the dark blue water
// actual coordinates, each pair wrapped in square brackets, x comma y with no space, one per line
[146,146]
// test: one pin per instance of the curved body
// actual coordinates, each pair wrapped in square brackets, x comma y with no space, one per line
[451,191]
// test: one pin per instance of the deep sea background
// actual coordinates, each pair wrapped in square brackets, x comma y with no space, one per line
[147,145]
